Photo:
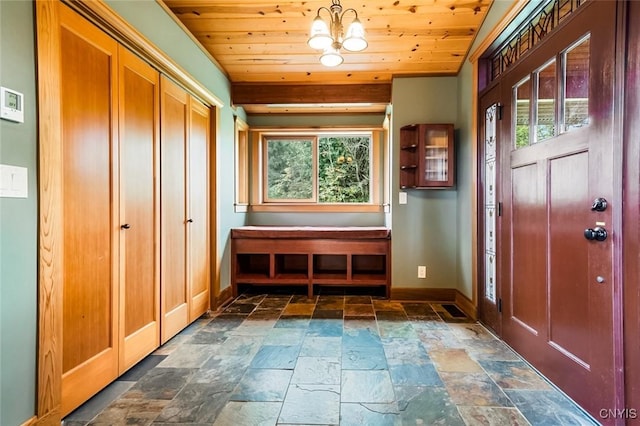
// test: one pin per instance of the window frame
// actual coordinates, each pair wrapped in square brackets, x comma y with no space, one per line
[260,203]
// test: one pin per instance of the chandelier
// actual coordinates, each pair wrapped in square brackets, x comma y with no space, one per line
[330,38]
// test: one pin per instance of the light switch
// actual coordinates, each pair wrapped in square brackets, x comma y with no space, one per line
[402,198]
[13,181]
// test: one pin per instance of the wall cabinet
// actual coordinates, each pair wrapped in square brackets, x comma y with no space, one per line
[427,156]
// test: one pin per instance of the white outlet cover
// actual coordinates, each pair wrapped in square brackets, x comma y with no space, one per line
[402,198]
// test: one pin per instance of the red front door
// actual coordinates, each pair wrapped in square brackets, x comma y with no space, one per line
[556,263]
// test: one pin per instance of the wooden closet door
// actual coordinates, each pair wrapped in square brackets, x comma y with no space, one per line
[88,76]
[175,291]
[198,224]
[139,210]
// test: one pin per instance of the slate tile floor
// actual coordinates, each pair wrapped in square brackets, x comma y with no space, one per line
[333,359]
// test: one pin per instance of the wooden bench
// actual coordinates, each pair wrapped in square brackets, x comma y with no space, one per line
[311,255]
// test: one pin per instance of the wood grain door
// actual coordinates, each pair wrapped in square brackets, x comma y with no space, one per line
[198,222]
[88,76]
[558,286]
[175,291]
[139,209]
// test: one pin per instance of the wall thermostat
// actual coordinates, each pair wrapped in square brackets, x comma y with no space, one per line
[11,105]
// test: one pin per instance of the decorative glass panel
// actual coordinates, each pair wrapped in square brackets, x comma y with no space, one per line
[522,98]
[490,127]
[546,102]
[436,155]
[576,85]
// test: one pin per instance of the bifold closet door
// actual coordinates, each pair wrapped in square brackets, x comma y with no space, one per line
[175,292]
[198,202]
[88,76]
[139,209]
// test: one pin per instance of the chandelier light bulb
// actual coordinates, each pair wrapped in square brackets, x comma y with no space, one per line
[355,41]
[331,57]
[320,37]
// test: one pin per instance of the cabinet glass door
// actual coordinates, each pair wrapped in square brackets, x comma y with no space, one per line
[436,155]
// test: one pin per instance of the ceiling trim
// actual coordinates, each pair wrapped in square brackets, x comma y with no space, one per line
[256,94]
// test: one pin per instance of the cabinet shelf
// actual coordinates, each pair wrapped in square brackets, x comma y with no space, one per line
[427,156]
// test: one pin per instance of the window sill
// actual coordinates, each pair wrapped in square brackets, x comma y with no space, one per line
[316,208]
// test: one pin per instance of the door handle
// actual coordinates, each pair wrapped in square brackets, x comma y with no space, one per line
[125,226]
[189,220]
[598,234]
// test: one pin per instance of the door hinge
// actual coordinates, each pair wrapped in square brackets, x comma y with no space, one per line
[500,305]
[500,208]
[499,112]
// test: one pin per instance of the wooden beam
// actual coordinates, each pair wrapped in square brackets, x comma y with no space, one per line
[309,94]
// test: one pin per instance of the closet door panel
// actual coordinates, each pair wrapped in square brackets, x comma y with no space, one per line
[174,285]
[139,268]
[88,78]
[199,275]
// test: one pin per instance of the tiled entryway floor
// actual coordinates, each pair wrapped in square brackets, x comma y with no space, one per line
[347,360]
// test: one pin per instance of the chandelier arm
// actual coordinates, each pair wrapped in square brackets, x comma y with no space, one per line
[321,9]
[348,10]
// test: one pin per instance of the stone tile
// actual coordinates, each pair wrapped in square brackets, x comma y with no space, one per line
[548,407]
[98,403]
[196,403]
[414,375]
[514,375]
[350,318]
[254,299]
[400,350]
[276,357]
[363,358]
[317,371]
[454,360]
[224,322]
[274,302]
[427,406]
[187,356]
[491,350]
[394,316]
[492,416]
[358,310]
[368,386]
[206,337]
[285,336]
[253,327]
[302,298]
[160,383]
[325,409]
[357,300]
[265,314]
[327,313]
[222,371]
[471,331]
[173,344]
[359,337]
[130,411]
[325,328]
[299,309]
[249,413]
[247,345]
[321,346]
[293,321]
[357,323]
[440,339]
[240,308]
[474,389]
[262,385]
[419,310]
[396,329]
[330,305]
[369,414]
[136,372]
[386,305]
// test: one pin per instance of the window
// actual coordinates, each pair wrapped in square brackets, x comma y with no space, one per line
[553,96]
[318,171]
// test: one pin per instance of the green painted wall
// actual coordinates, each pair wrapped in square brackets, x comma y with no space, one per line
[424,231]
[465,146]
[155,24]
[18,222]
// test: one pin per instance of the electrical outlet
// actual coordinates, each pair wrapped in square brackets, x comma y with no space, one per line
[422,272]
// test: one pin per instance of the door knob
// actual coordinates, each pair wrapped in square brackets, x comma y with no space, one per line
[598,234]
[599,205]
[125,226]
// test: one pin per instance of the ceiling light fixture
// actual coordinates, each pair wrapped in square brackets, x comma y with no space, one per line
[330,38]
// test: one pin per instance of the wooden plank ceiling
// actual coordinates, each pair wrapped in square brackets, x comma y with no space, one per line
[262,47]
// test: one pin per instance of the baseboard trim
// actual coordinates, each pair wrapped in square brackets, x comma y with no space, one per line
[467,305]
[424,294]
[437,295]
[223,298]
